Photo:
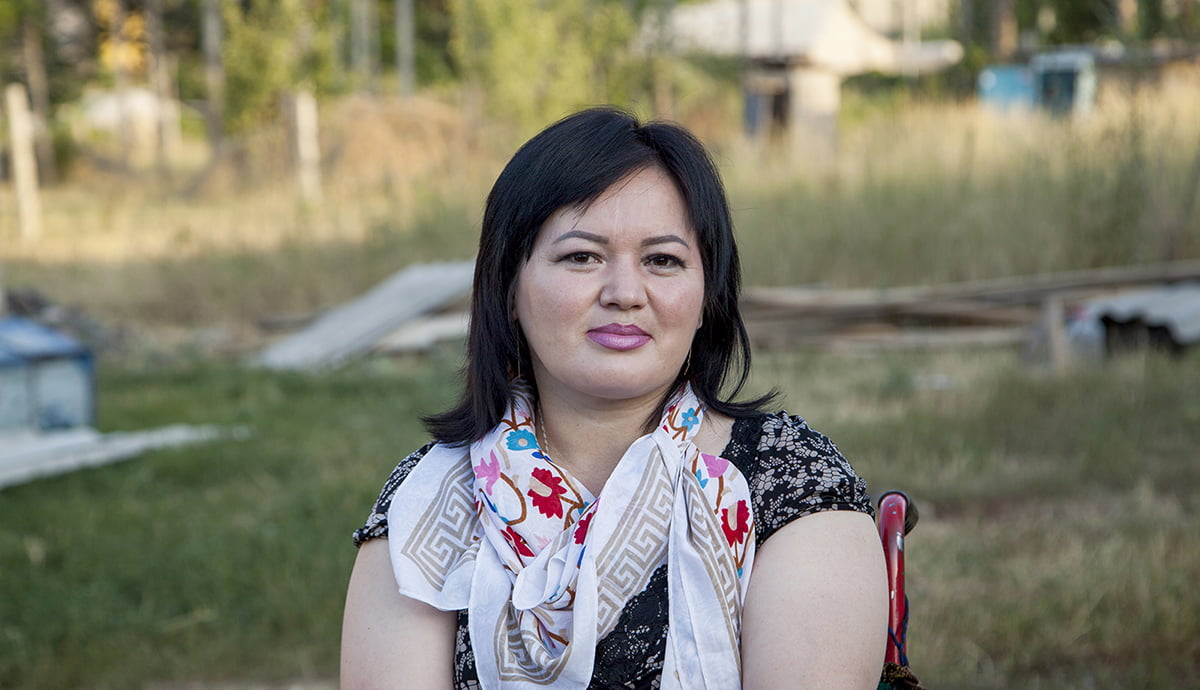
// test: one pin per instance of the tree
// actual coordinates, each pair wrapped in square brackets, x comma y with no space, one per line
[24,58]
[271,47]
[535,62]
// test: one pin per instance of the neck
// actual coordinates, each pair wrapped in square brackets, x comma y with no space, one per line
[588,438]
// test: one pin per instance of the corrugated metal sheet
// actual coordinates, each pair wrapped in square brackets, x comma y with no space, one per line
[1175,308]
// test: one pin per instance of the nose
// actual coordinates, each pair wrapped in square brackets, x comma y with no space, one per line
[624,286]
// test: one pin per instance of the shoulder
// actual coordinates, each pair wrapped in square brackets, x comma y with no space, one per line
[376,524]
[793,470]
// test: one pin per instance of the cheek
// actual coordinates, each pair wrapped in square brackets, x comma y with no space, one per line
[689,308]
[540,305]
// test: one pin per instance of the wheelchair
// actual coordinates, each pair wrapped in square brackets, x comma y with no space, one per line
[897,517]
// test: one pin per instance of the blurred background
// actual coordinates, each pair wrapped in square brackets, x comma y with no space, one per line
[233,241]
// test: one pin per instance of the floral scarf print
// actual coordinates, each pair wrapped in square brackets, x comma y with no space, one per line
[544,568]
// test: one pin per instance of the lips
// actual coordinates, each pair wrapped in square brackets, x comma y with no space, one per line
[620,337]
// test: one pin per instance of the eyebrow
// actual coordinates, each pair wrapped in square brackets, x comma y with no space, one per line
[600,239]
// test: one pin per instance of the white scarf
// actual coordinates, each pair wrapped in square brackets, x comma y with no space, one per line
[544,568]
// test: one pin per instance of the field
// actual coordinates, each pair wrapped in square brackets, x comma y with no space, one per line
[1057,546]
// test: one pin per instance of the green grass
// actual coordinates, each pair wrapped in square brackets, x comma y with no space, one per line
[1057,546]
[218,561]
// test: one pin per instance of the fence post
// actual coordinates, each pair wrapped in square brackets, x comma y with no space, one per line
[24,162]
[308,148]
[1058,350]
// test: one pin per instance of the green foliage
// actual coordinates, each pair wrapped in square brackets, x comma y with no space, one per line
[1079,21]
[68,67]
[272,47]
[434,64]
[1073,22]
[535,62]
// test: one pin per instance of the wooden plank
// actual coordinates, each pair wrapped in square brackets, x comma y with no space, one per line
[939,312]
[1027,290]
[907,339]
[356,326]
[424,333]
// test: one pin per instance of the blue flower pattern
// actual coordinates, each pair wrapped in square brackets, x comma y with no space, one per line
[689,419]
[521,439]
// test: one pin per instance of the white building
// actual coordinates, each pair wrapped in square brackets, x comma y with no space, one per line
[797,53]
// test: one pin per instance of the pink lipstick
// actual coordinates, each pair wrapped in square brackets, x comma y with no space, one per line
[615,336]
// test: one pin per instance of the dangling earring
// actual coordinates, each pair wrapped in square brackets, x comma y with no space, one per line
[687,364]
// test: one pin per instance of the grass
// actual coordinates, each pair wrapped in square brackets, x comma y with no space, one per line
[219,561]
[938,193]
[1057,545]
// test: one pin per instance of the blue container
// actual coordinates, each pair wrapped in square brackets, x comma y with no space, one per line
[47,379]
[1007,87]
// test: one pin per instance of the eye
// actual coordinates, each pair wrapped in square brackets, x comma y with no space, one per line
[579,258]
[664,261]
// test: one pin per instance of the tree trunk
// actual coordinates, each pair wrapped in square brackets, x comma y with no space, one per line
[664,96]
[124,126]
[158,82]
[406,41]
[214,72]
[1127,19]
[39,91]
[364,46]
[1004,29]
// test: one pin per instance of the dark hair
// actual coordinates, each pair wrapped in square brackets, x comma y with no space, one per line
[569,165]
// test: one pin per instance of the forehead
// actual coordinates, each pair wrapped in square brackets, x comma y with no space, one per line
[646,202]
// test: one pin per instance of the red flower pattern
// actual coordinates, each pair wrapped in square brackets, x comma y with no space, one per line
[518,543]
[737,527]
[544,490]
[581,528]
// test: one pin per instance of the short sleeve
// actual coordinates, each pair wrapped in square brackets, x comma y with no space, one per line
[376,525]
[792,471]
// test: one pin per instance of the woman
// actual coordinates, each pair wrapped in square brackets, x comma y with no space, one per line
[595,512]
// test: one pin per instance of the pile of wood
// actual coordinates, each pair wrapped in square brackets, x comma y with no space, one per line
[993,312]
[424,304]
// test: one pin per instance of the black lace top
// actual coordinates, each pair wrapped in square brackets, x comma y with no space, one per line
[792,471]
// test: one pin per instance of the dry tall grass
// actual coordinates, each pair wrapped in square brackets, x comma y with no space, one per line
[922,193]
[937,192]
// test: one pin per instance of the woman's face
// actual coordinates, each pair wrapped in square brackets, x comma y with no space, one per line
[611,297]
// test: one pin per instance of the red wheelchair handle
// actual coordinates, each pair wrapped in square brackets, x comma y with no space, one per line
[897,517]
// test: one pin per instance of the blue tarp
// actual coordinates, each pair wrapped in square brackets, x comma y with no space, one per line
[22,340]
[46,377]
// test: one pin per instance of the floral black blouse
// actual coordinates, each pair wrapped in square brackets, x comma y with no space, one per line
[792,471]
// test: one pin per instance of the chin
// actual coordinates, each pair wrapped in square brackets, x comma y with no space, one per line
[625,386]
